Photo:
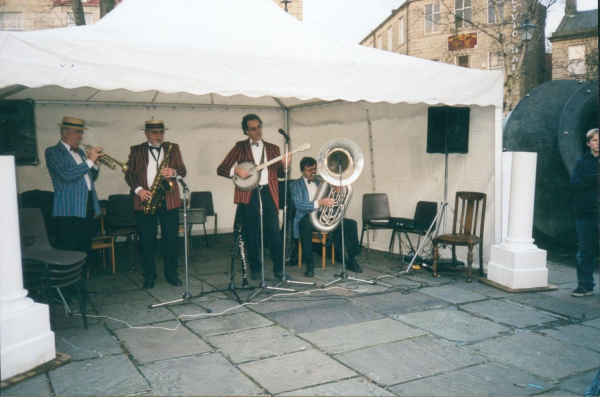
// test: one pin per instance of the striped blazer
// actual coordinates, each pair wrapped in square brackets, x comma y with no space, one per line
[301,201]
[136,174]
[70,189]
[242,152]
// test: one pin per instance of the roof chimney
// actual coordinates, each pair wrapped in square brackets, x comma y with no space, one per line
[570,7]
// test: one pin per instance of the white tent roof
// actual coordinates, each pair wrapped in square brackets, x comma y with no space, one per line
[234,52]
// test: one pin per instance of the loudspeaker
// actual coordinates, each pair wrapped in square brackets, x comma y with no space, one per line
[448,125]
[17,131]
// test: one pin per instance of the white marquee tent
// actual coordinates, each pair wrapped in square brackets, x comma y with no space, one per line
[200,65]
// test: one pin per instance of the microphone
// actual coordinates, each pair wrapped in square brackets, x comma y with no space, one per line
[179,179]
[282,132]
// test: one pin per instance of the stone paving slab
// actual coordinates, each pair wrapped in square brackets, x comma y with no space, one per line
[565,294]
[487,379]
[61,321]
[295,371]
[397,302]
[109,283]
[575,310]
[36,386]
[197,309]
[104,376]
[80,343]
[113,297]
[328,315]
[225,324]
[207,375]
[538,354]
[347,387]
[134,313]
[257,344]
[576,334]
[593,323]
[277,304]
[148,345]
[507,313]
[453,295]
[454,325]
[407,360]
[357,336]
[165,292]
[578,384]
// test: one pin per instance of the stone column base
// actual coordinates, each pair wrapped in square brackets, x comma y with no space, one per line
[27,340]
[518,269]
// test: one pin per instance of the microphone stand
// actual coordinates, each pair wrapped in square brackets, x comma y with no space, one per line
[284,278]
[344,275]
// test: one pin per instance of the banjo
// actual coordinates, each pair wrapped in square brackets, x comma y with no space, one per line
[253,170]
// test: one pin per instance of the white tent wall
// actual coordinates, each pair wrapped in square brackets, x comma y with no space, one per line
[402,167]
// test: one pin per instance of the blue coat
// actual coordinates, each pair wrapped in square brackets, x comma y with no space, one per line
[301,201]
[70,189]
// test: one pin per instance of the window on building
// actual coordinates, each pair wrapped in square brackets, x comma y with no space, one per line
[379,42]
[401,31]
[462,9]
[432,18]
[11,21]
[463,61]
[492,11]
[576,59]
[390,41]
[495,60]
[71,19]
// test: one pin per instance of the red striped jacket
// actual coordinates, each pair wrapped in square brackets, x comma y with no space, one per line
[136,174]
[242,152]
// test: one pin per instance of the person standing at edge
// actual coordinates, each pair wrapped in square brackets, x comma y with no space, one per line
[144,163]
[75,199]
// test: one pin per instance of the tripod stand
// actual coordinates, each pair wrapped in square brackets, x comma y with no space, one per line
[263,284]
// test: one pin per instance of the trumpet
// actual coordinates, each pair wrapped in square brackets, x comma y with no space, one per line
[105,159]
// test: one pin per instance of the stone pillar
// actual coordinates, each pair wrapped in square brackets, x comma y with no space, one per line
[517,263]
[27,340]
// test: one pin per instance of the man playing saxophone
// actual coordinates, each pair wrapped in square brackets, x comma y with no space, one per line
[150,164]
[303,192]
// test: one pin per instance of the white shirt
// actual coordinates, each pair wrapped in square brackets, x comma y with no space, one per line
[79,160]
[153,164]
[312,190]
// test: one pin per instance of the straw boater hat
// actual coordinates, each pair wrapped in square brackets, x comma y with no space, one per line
[73,122]
[154,125]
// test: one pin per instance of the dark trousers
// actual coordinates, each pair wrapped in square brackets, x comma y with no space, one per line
[306,229]
[351,237]
[147,226]
[75,234]
[250,214]
[587,240]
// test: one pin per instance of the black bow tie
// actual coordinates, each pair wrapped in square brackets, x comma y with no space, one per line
[155,148]
[71,148]
[255,144]
[310,181]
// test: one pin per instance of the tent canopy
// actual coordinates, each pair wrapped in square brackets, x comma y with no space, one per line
[234,52]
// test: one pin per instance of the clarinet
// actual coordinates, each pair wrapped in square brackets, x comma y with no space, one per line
[243,256]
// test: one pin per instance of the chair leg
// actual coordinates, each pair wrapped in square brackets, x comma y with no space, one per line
[332,254]
[299,253]
[470,263]
[435,259]
[215,231]
[392,243]
[112,250]
[81,299]
[205,235]
[362,234]
[481,259]
[323,251]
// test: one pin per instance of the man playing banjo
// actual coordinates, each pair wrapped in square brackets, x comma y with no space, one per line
[249,185]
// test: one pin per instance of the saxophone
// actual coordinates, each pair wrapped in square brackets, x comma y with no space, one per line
[160,185]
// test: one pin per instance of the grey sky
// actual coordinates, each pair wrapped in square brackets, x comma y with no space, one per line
[353,20]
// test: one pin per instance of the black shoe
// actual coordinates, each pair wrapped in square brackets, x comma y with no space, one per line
[580,291]
[175,281]
[256,275]
[354,267]
[279,276]
[148,284]
[310,270]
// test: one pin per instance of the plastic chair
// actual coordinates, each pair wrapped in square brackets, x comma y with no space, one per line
[322,241]
[468,205]
[204,200]
[424,216]
[52,268]
[375,214]
[43,200]
[119,221]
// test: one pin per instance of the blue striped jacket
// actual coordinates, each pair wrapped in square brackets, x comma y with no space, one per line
[70,189]
[301,201]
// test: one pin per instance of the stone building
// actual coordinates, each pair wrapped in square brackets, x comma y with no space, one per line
[25,15]
[575,45]
[478,34]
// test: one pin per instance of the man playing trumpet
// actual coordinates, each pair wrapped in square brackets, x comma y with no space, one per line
[303,192]
[144,164]
[75,199]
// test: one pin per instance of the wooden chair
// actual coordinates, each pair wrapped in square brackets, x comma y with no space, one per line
[464,229]
[103,242]
[323,241]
